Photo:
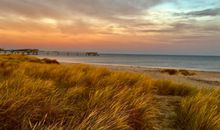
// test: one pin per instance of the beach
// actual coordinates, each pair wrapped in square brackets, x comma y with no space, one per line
[109,65]
[199,73]
[198,78]
[88,95]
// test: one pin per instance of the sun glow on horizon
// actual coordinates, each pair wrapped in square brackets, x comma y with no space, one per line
[49,21]
[100,25]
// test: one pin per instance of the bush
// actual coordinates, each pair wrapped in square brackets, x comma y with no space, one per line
[175,72]
[186,73]
[49,61]
[170,71]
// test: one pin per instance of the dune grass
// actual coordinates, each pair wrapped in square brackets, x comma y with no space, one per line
[199,112]
[74,97]
[17,58]
[167,87]
[39,95]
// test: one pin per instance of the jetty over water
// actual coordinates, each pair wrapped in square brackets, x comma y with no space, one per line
[65,53]
[49,53]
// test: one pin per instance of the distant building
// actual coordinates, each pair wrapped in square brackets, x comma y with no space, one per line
[92,54]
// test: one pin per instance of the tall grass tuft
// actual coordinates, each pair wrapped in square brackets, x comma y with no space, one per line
[200,112]
[167,87]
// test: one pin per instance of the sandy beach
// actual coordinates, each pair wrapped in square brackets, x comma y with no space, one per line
[198,79]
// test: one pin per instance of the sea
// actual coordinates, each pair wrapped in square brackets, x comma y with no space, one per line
[201,63]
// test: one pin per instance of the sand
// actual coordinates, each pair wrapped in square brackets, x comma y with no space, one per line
[200,79]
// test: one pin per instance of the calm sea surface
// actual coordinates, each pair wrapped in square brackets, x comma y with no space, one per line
[206,63]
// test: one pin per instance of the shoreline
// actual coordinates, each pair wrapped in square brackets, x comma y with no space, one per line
[124,65]
[200,79]
[144,67]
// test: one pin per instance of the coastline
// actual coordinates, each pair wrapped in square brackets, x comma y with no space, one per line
[72,61]
[202,78]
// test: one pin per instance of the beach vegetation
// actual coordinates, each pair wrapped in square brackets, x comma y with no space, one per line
[187,73]
[176,72]
[170,71]
[199,112]
[167,87]
[39,95]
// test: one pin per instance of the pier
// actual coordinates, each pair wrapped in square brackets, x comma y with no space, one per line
[65,53]
[49,53]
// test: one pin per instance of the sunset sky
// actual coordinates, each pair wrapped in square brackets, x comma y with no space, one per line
[118,26]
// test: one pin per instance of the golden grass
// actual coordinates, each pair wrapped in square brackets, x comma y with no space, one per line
[41,96]
[73,97]
[167,87]
[16,58]
[199,112]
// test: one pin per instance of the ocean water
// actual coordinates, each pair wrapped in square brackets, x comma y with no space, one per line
[205,63]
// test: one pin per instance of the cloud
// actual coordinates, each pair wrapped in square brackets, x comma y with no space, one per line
[206,12]
[29,8]
[193,28]
[103,23]
[86,13]
[62,8]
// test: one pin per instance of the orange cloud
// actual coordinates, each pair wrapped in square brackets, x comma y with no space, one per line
[95,24]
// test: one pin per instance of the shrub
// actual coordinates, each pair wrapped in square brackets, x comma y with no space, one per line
[49,61]
[186,73]
[170,71]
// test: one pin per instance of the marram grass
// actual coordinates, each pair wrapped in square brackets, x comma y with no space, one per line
[200,112]
[41,96]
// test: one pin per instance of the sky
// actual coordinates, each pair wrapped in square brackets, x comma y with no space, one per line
[112,26]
